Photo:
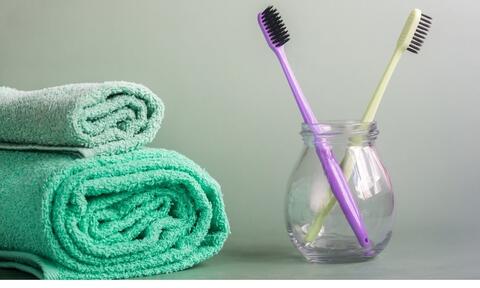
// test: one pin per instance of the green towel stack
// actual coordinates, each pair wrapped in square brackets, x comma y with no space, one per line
[81,199]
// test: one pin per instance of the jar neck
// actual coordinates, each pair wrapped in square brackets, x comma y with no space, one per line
[351,133]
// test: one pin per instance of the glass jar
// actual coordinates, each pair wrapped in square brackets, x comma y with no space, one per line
[315,223]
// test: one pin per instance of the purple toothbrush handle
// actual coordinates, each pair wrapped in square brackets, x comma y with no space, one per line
[334,173]
[341,191]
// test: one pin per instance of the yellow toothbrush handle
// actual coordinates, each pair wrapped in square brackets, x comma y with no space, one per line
[372,107]
[347,162]
[316,226]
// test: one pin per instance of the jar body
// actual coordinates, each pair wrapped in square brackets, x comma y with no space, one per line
[315,223]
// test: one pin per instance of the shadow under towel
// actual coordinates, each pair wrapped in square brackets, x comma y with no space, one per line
[141,213]
[89,118]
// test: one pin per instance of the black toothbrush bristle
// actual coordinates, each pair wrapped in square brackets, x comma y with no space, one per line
[273,23]
[420,33]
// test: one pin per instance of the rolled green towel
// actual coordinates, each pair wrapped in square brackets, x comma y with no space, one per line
[90,118]
[141,213]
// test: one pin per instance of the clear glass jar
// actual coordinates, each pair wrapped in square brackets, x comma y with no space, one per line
[315,223]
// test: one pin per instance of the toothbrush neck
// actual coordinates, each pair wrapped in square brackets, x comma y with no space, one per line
[305,109]
[372,108]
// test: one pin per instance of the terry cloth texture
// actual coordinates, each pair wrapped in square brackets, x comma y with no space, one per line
[141,213]
[90,118]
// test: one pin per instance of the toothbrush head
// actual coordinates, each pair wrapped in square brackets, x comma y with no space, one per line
[414,31]
[273,28]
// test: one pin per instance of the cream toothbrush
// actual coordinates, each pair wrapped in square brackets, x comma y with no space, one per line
[277,35]
[411,39]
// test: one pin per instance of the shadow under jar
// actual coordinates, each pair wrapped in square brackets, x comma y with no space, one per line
[316,224]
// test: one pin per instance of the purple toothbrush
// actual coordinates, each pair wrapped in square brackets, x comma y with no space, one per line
[277,35]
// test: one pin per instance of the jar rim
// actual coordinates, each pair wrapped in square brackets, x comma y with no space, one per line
[338,127]
[343,122]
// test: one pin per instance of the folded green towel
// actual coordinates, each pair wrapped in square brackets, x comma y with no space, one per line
[89,118]
[141,213]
